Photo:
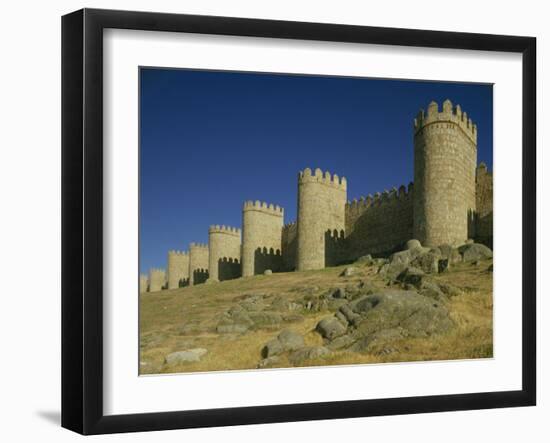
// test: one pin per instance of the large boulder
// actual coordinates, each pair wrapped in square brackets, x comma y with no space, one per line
[427,262]
[269,362]
[450,253]
[475,251]
[291,340]
[308,353]
[271,348]
[287,340]
[413,244]
[408,311]
[330,328]
[392,270]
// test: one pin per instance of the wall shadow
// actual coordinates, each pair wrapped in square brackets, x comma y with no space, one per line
[267,259]
[336,248]
[228,268]
[200,275]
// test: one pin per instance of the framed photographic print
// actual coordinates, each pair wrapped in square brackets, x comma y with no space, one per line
[269,221]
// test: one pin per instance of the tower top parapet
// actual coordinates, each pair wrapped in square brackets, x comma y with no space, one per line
[198,245]
[448,114]
[268,208]
[176,252]
[229,230]
[326,178]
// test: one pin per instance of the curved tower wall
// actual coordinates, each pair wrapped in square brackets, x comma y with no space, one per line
[262,238]
[157,279]
[178,269]
[198,263]
[445,158]
[224,245]
[322,202]
[143,283]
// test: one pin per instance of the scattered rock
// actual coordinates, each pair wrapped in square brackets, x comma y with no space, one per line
[339,293]
[413,244]
[287,340]
[308,353]
[271,348]
[450,253]
[412,275]
[432,290]
[401,257]
[385,316]
[443,265]
[190,355]
[428,262]
[268,272]
[365,259]
[290,340]
[330,328]
[475,251]
[269,362]
[350,270]
[392,270]
[341,342]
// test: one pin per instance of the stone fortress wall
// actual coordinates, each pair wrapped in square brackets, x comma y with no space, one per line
[224,252]
[321,210]
[451,201]
[178,269]
[289,246]
[378,224]
[157,279]
[484,205]
[143,283]
[198,263]
[262,238]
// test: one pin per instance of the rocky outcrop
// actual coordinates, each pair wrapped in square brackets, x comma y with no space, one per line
[384,316]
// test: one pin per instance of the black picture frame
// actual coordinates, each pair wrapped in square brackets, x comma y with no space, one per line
[82,220]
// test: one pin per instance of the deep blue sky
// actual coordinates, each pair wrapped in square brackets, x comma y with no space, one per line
[211,140]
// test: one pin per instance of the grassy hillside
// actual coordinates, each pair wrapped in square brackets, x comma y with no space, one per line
[187,318]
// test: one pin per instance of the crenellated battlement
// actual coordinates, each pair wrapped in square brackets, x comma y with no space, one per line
[395,194]
[174,252]
[229,230]
[198,246]
[156,270]
[448,114]
[268,208]
[326,178]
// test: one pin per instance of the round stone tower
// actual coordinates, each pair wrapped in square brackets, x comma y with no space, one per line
[445,158]
[178,268]
[321,210]
[198,263]
[262,238]
[224,245]
[157,279]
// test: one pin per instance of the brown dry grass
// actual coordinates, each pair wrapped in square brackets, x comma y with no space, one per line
[186,318]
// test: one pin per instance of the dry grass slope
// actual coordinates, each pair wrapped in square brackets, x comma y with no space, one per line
[186,318]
